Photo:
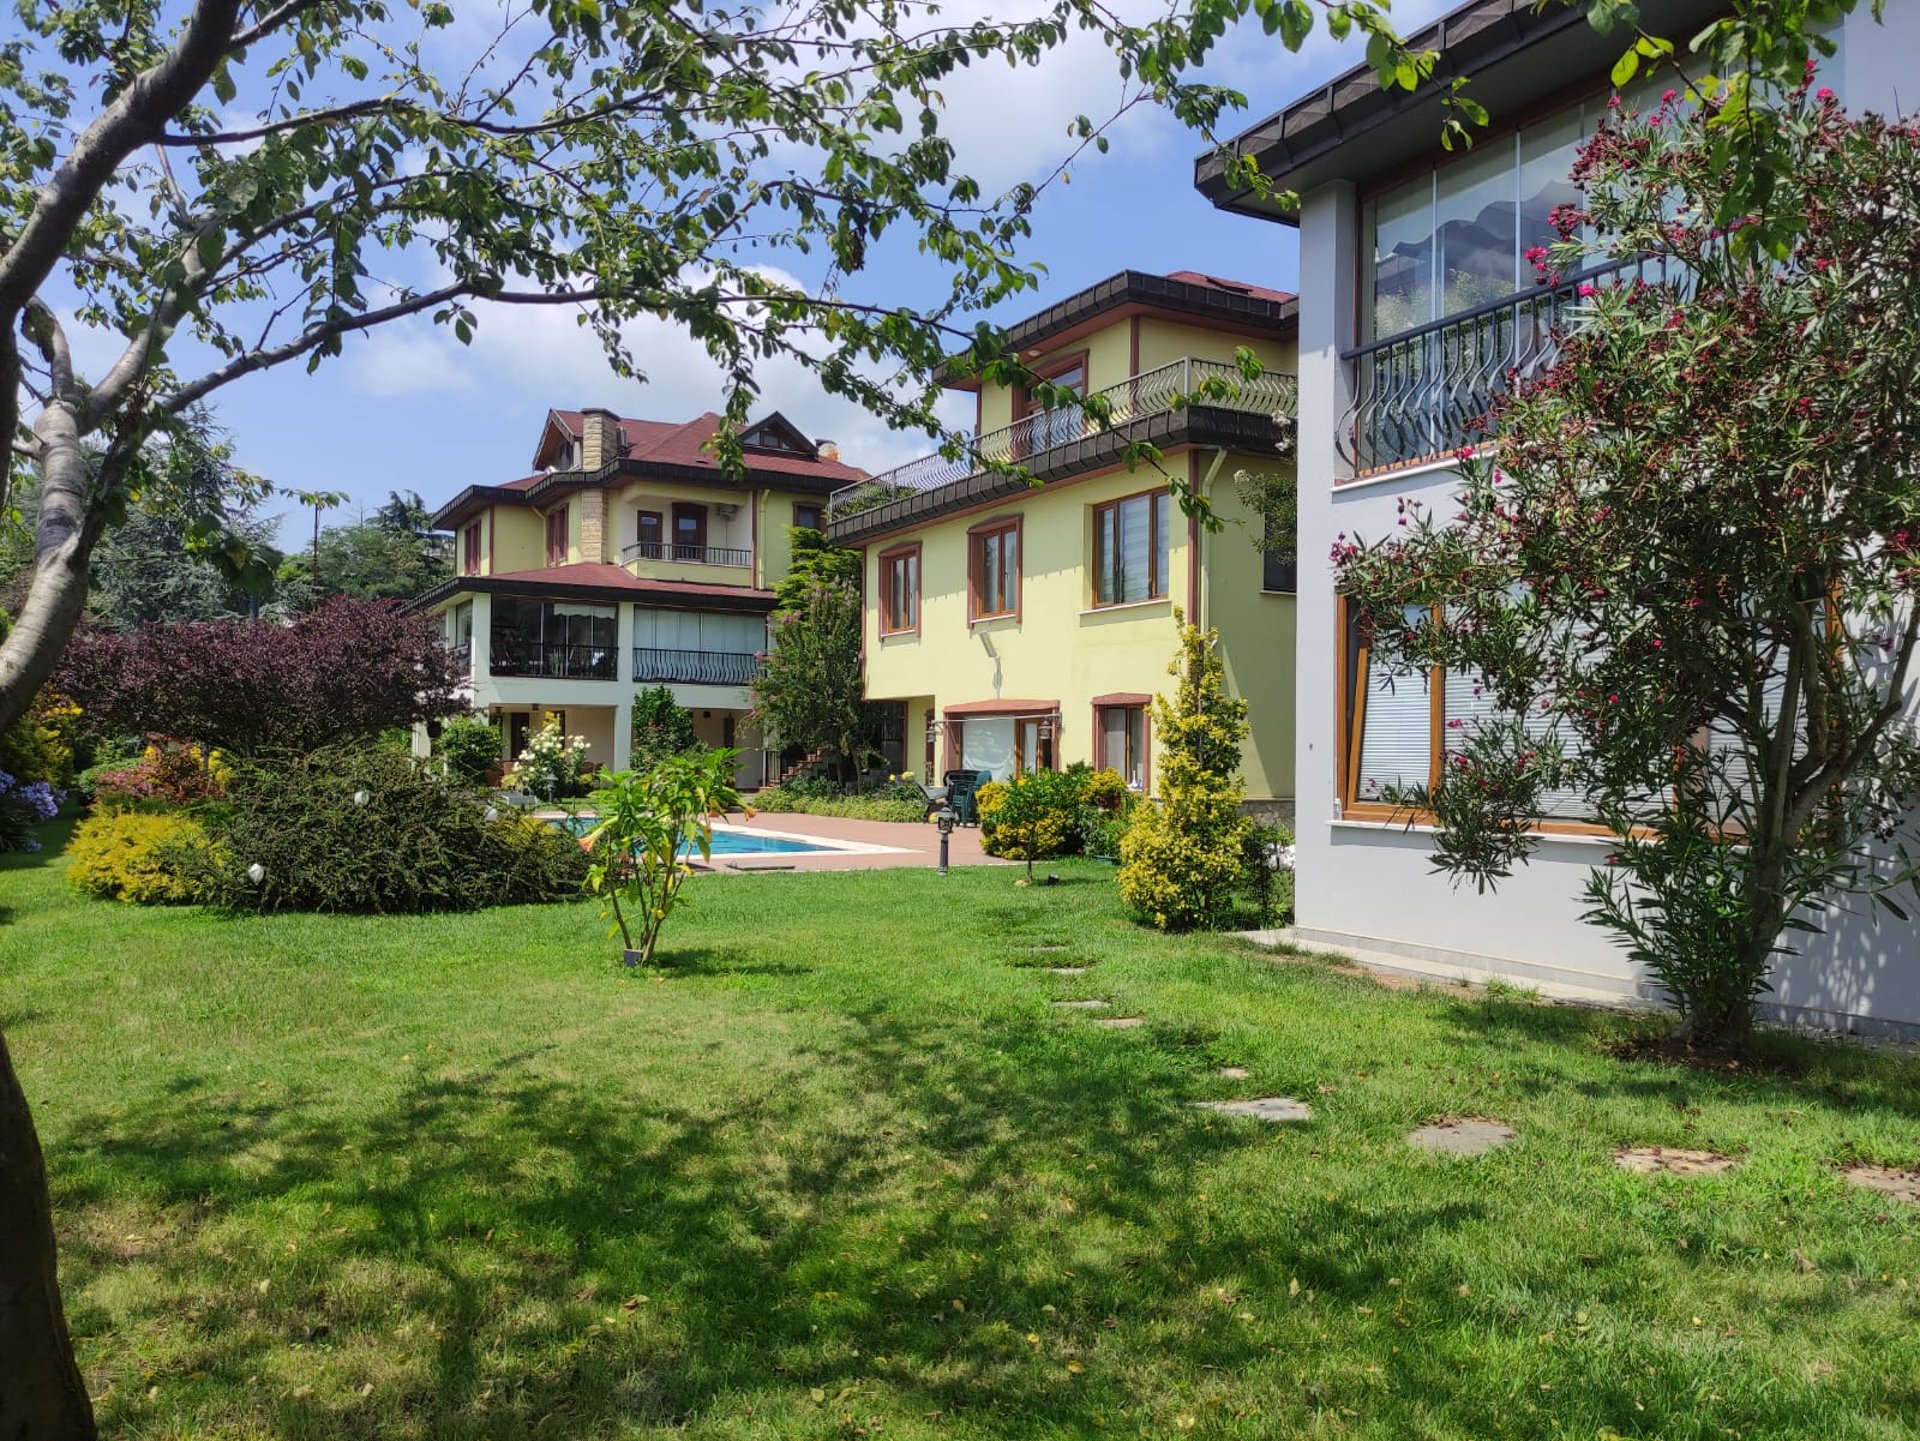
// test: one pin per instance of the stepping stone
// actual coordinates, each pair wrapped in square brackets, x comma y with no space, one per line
[1461,1138]
[1901,1185]
[1119,1023]
[1067,970]
[1082,1005]
[1233,1073]
[1266,1108]
[1661,1160]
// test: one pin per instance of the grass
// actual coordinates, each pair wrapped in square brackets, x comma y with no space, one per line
[845,1172]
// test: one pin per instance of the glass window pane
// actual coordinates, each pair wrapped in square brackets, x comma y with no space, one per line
[1104,558]
[1010,570]
[1136,747]
[1396,738]
[1401,285]
[1476,228]
[1546,157]
[1162,531]
[1136,548]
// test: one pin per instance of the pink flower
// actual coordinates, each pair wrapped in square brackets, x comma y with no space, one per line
[1587,292]
[1823,94]
[1667,99]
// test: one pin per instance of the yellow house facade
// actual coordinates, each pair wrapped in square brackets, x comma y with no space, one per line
[1028,623]
[629,559]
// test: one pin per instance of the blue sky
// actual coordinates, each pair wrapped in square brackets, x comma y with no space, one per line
[410,408]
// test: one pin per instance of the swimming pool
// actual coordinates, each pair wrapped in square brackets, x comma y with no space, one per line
[731,841]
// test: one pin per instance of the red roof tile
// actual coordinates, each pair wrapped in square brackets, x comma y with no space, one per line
[1237,287]
[685,443]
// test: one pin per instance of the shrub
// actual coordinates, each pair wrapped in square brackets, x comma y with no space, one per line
[1183,855]
[39,746]
[799,797]
[366,829]
[552,766]
[145,859]
[23,804]
[649,820]
[109,754]
[1266,873]
[169,773]
[1078,810]
[662,727]
[468,747]
[896,799]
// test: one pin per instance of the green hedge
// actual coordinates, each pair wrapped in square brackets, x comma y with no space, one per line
[853,808]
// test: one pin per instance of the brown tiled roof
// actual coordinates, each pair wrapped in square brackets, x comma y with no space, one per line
[685,443]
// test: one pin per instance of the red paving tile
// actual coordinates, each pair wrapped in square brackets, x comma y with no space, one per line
[907,844]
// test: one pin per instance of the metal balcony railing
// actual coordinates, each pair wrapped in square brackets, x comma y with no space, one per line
[553,661]
[1026,442]
[668,550]
[1424,393]
[698,667]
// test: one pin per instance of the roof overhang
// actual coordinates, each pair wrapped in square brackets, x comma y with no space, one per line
[1519,55]
[658,595]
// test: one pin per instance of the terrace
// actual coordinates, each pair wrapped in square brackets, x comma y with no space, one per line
[1156,406]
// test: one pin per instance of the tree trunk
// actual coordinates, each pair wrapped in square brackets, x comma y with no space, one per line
[42,1396]
[64,537]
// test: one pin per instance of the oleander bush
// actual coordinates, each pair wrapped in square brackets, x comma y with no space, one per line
[366,829]
[144,858]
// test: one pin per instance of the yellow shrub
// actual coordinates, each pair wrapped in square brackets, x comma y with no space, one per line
[144,859]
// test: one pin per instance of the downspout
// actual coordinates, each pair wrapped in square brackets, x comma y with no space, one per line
[1203,539]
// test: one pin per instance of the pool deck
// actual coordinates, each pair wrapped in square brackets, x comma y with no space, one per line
[895,844]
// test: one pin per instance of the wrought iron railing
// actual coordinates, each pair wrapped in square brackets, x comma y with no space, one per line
[698,667]
[1424,393]
[668,550]
[553,661]
[1201,382]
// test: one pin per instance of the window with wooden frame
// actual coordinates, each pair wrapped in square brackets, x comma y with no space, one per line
[689,531]
[1033,743]
[650,535]
[993,569]
[1061,424]
[900,590]
[809,515]
[1130,548]
[557,536]
[1396,730]
[1120,742]
[470,557]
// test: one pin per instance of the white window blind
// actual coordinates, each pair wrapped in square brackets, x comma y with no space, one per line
[986,744]
[1396,739]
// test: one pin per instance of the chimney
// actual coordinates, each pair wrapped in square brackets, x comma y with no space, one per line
[827,449]
[599,439]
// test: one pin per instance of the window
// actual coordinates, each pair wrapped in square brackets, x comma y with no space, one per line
[689,531]
[900,591]
[1120,741]
[1061,424]
[1130,549]
[1397,728]
[463,634]
[807,515]
[993,570]
[470,553]
[1033,743]
[650,535]
[1279,565]
[557,536]
[558,639]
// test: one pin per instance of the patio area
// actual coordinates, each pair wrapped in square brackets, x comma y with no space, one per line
[871,845]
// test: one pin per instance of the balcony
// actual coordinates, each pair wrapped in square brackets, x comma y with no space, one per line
[696,667]
[673,553]
[1424,393]
[550,661]
[1189,383]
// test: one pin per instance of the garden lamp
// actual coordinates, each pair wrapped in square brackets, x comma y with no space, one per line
[944,818]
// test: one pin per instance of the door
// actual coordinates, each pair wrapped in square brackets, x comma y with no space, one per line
[689,531]
[517,728]
[1033,744]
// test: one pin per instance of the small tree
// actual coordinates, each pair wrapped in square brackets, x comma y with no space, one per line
[810,693]
[1181,856]
[662,727]
[1685,569]
[650,821]
[469,747]
[346,671]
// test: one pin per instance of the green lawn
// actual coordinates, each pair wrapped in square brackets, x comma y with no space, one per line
[843,1172]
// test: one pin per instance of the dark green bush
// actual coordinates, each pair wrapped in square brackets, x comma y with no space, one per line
[662,727]
[417,842]
[469,747]
[815,797]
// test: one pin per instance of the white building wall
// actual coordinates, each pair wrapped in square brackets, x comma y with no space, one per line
[1372,885]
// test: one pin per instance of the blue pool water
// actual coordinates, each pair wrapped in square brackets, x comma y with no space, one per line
[729,842]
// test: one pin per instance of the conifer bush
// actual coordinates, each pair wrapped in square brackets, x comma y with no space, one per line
[1182,856]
